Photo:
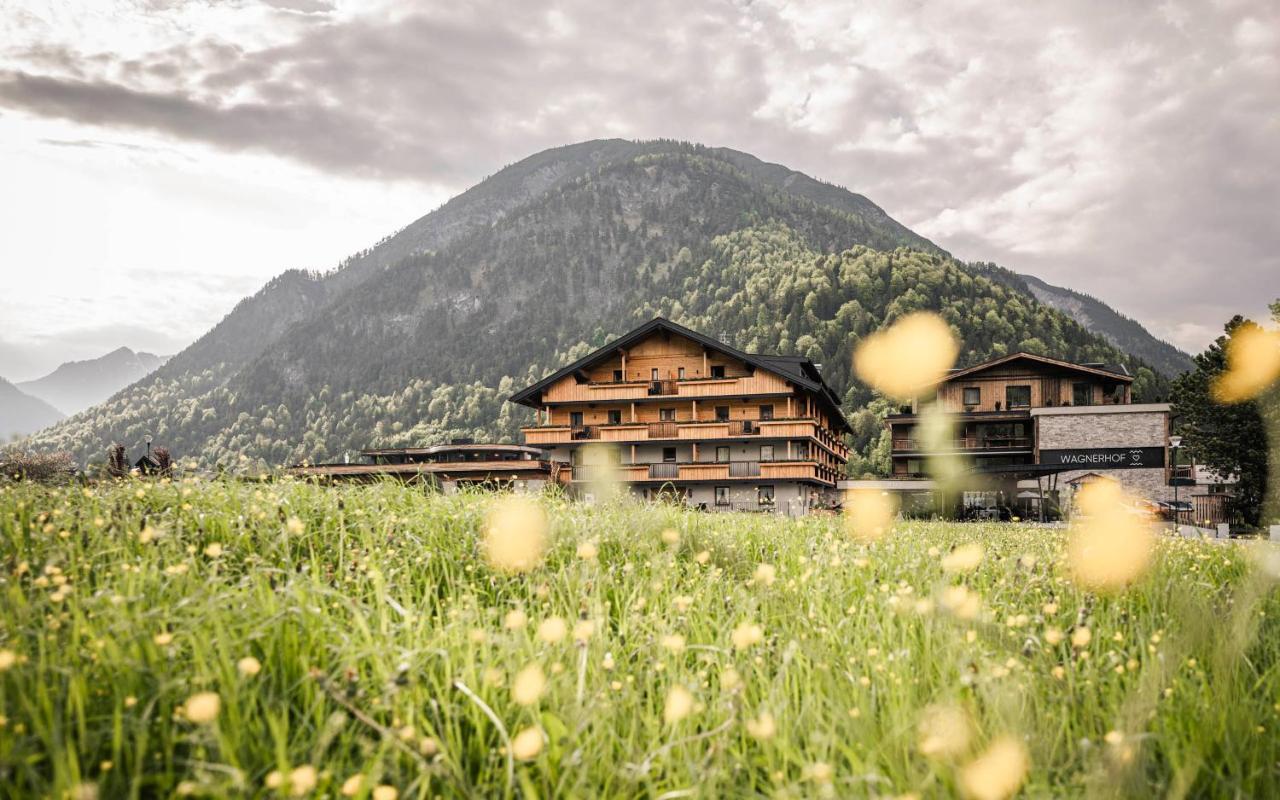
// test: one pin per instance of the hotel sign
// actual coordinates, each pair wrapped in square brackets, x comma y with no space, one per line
[1104,458]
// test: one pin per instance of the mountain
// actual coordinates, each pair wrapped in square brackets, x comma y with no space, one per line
[77,385]
[21,413]
[423,336]
[1125,333]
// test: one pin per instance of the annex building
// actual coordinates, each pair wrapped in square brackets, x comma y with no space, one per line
[1030,431]
[671,413]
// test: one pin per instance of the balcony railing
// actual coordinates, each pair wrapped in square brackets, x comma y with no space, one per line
[661,388]
[663,430]
[666,470]
[796,469]
[743,427]
[967,443]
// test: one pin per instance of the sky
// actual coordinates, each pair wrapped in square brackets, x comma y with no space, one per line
[162,159]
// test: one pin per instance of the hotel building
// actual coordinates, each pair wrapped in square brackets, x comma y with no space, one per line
[1032,430]
[671,413]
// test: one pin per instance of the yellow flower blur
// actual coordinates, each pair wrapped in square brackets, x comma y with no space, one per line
[1253,364]
[515,534]
[998,773]
[908,357]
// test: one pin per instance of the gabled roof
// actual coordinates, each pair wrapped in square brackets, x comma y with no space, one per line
[1114,373]
[800,371]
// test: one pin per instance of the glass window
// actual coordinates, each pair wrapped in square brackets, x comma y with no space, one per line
[617,376]
[766,452]
[1082,394]
[680,373]
[766,495]
[972,396]
[615,417]
[667,414]
[717,371]
[575,419]
[722,454]
[766,412]
[669,455]
[653,373]
[1017,396]
[722,413]
[722,495]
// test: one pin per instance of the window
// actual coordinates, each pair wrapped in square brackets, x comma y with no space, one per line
[722,413]
[972,396]
[615,417]
[722,454]
[766,496]
[766,452]
[617,376]
[717,370]
[669,455]
[575,419]
[1081,394]
[653,374]
[680,373]
[1017,396]
[722,495]
[667,414]
[766,412]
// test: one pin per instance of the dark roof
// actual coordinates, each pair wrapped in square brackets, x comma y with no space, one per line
[148,461]
[1115,372]
[800,371]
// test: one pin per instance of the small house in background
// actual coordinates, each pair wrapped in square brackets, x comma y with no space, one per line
[446,467]
[147,465]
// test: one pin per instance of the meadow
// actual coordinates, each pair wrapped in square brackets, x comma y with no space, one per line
[227,639]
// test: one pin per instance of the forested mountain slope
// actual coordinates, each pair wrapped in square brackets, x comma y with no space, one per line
[429,346]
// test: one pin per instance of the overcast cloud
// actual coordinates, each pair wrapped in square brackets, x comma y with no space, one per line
[1124,150]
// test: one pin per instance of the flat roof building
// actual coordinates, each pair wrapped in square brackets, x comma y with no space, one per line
[446,466]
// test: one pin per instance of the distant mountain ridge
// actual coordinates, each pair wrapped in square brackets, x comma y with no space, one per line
[1097,316]
[21,414]
[423,336]
[77,385]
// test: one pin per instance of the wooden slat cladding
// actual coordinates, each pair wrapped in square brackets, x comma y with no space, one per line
[569,390]
[1045,390]
[667,355]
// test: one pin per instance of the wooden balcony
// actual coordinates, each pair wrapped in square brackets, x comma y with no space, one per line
[705,471]
[991,444]
[689,431]
[762,383]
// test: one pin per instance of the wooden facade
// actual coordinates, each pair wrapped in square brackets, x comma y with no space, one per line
[991,404]
[668,407]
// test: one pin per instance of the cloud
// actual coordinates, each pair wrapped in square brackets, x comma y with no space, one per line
[1122,150]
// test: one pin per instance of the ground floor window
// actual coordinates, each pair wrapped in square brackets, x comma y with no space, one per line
[722,495]
[766,496]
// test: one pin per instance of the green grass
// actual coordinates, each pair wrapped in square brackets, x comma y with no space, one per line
[379,628]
